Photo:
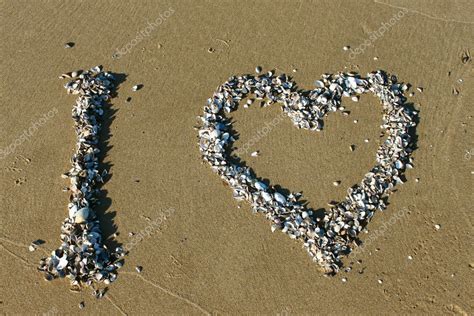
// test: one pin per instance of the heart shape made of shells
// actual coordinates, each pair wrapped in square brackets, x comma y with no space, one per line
[326,238]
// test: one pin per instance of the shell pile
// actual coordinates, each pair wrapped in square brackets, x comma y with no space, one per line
[82,256]
[330,236]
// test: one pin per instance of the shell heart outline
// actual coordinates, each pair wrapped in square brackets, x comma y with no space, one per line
[330,236]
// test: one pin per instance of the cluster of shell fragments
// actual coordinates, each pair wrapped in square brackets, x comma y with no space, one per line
[326,237]
[82,256]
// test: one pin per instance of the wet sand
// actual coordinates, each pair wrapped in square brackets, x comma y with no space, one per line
[201,253]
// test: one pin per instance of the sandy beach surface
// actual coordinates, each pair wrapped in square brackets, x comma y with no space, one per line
[201,253]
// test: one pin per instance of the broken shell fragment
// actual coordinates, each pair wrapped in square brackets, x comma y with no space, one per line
[137,87]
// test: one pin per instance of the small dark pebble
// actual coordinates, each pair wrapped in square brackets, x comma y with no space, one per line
[38,242]
[69,45]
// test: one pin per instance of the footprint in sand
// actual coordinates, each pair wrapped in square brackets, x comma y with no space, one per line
[20,181]
[14,168]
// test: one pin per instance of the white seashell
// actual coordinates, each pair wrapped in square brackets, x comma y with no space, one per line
[266,196]
[260,186]
[96,69]
[81,215]
[214,134]
[319,84]
[62,262]
[352,82]
[72,210]
[99,276]
[398,164]
[137,87]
